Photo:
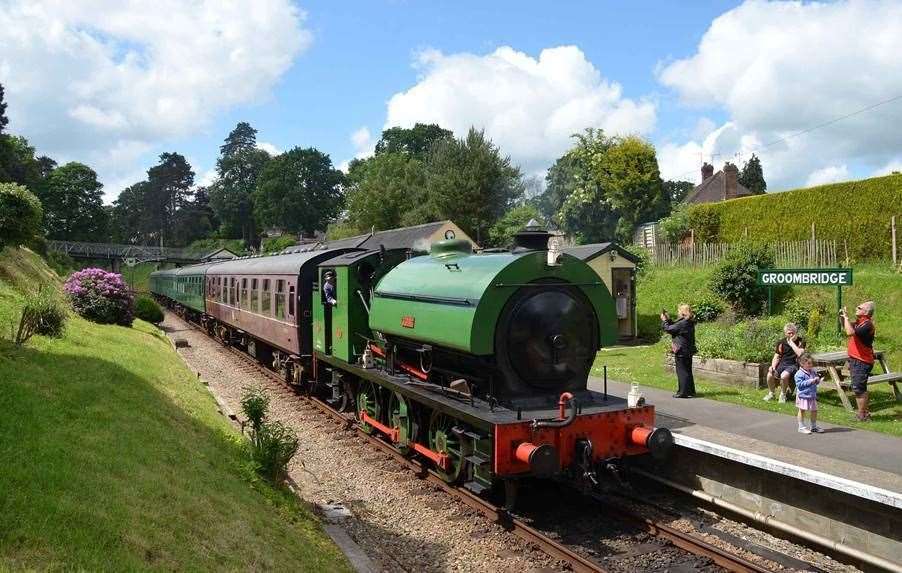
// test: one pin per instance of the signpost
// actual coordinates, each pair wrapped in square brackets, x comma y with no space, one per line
[804,277]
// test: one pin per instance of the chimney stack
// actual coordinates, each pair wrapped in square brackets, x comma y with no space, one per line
[707,171]
[730,181]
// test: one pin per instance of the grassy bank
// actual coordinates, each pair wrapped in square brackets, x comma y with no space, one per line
[115,458]
[666,287]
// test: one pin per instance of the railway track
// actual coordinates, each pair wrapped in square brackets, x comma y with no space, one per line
[576,562]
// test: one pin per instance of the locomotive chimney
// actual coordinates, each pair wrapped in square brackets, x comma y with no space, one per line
[533,237]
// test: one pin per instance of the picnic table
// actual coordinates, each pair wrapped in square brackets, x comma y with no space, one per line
[833,363]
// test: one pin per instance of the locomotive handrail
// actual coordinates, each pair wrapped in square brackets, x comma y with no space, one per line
[425,298]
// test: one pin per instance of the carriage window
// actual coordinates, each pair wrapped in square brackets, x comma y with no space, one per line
[280,299]
[291,300]
[266,299]
[255,296]
[233,292]
[243,303]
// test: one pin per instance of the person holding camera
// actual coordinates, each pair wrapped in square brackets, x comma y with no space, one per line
[682,332]
[861,353]
[785,363]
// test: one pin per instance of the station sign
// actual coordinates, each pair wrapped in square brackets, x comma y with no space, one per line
[805,277]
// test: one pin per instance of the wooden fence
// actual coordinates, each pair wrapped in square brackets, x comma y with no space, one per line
[789,254]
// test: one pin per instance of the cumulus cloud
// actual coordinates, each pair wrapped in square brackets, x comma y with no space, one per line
[829,174]
[269,148]
[364,146]
[528,106]
[104,82]
[780,68]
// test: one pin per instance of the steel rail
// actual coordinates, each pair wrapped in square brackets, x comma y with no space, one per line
[502,517]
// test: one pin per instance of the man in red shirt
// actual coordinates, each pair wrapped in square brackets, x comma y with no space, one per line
[861,353]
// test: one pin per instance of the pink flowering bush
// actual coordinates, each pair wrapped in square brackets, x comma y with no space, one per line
[101,296]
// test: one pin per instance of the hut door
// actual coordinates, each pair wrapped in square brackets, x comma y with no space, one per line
[622,280]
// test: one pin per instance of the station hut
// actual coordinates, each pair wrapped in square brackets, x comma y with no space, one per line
[617,269]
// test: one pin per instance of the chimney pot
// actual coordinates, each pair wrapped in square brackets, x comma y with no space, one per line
[707,171]
[731,181]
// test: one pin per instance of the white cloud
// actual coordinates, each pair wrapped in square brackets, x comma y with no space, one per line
[97,80]
[364,147]
[269,148]
[829,174]
[528,106]
[779,68]
[892,166]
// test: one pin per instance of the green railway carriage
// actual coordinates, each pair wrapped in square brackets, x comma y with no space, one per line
[184,286]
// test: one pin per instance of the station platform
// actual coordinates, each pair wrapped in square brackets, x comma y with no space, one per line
[858,462]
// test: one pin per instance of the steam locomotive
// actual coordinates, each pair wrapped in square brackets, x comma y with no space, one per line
[477,363]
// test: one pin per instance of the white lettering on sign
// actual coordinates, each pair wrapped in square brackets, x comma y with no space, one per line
[825,278]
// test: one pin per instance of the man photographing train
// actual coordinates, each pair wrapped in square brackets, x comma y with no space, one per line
[861,353]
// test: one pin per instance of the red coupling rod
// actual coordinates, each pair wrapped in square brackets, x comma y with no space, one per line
[392,433]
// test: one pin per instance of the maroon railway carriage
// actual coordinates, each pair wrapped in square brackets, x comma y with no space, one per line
[263,304]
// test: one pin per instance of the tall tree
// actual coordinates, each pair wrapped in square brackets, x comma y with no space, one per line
[470,182]
[241,138]
[619,185]
[18,163]
[752,176]
[4,121]
[299,191]
[560,181]
[73,204]
[416,141]
[676,191]
[128,224]
[384,191]
[170,183]
[232,195]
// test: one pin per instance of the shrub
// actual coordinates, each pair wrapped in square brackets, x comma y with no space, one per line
[641,253]
[43,313]
[101,296]
[147,309]
[736,278]
[750,341]
[675,227]
[801,308]
[20,215]
[274,446]
[61,263]
[707,308]
[254,404]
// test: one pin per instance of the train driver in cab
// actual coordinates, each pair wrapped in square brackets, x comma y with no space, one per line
[329,289]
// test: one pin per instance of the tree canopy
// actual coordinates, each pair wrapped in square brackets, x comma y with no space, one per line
[3,119]
[416,141]
[502,232]
[299,191]
[384,191]
[618,185]
[752,176]
[471,183]
[242,138]
[20,215]
[73,204]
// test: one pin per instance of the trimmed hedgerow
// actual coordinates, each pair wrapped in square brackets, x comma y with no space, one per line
[101,296]
[857,212]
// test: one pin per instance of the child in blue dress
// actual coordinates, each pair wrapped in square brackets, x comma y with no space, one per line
[806,394]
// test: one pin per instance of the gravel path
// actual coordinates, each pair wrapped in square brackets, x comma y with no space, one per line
[401,522]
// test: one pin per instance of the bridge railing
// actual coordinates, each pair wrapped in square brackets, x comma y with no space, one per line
[77,249]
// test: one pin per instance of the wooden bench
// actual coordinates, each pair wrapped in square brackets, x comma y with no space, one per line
[833,362]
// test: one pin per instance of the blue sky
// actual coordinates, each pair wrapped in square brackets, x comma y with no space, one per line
[703,81]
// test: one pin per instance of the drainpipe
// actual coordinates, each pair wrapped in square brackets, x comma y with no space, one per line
[769,520]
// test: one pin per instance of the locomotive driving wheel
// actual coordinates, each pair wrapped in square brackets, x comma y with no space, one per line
[368,401]
[444,440]
[402,415]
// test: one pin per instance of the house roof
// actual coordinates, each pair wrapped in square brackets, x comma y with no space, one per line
[711,190]
[588,252]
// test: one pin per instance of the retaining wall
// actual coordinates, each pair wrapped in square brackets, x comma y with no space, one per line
[749,374]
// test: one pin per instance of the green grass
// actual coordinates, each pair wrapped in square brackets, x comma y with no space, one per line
[645,365]
[666,287]
[114,457]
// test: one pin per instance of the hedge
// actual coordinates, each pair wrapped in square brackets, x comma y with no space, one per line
[855,211]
